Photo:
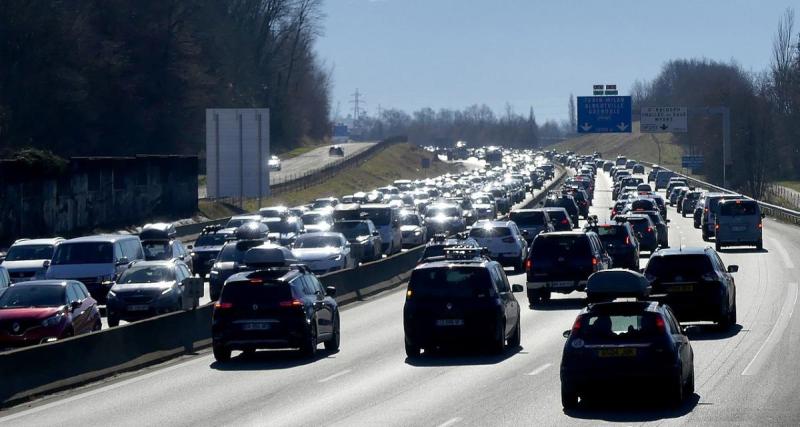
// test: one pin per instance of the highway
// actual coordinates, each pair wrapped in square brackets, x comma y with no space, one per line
[317,158]
[742,377]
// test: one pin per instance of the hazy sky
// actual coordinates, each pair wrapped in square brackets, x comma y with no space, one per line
[452,53]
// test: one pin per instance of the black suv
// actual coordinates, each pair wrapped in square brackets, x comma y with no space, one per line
[280,304]
[207,247]
[562,262]
[695,284]
[620,243]
[458,300]
[564,201]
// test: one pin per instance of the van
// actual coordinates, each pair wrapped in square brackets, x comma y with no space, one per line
[738,222]
[662,178]
[95,261]
[707,220]
[386,220]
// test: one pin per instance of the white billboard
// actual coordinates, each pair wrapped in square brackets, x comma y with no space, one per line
[663,119]
[237,150]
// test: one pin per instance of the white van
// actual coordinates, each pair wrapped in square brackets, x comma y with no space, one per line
[738,222]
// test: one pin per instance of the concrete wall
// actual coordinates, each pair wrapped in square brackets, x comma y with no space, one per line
[95,192]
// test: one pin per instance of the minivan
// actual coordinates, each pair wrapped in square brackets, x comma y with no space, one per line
[738,222]
[95,261]
[387,221]
[707,221]
[662,178]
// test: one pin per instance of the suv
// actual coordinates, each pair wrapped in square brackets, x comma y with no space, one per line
[278,304]
[207,247]
[620,242]
[560,219]
[27,258]
[564,201]
[159,243]
[463,298]
[661,226]
[562,262]
[738,222]
[688,202]
[531,222]
[435,249]
[231,257]
[695,284]
[504,242]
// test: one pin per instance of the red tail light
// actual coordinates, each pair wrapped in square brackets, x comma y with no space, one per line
[759,226]
[564,221]
[705,210]
[627,240]
[649,229]
[716,226]
[508,240]
[594,261]
[292,303]
[662,327]
[577,325]
[528,264]
[223,305]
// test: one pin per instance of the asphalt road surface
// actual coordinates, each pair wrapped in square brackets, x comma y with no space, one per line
[748,376]
[314,159]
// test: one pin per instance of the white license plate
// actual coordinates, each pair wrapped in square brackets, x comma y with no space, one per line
[138,307]
[563,284]
[738,228]
[450,322]
[256,326]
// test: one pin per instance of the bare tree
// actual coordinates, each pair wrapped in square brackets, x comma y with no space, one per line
[573,117]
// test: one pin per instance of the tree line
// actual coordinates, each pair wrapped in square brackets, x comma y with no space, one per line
[116,77]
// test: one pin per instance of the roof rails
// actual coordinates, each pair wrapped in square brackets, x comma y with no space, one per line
[211,229]
[466,253]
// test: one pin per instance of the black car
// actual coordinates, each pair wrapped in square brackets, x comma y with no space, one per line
[564,201]
[661,226]
[336,150]
[644,229]
[620,242]
[562,262]
[458,301]
[279,304]
[560,219]
[231,259]
[695,284]
[207,247]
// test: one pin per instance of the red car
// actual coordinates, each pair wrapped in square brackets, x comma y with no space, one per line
[45,310]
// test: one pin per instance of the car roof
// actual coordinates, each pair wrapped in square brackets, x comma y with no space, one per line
[610,307]
[48,241]
[475,262]
[563,233]
[43,283]
[376,206]
[154,263]
[689,250]
[495,223]
[254,217]
[321,234]
[102,238]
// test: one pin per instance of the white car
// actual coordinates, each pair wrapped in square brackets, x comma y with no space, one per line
[27,258]
[504,242]
[323,252]
[274,163]
[413,228]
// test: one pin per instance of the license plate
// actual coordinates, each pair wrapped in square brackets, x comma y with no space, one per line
[681,288]
[738,228]
[617,352]
[450,322]
[563,284]
[256,326]
[138,307]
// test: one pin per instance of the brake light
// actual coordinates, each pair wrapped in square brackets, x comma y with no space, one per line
[716,226]
[528,264]
[564,221]
[759,226]
[649,229]
[256,281]
[705,210]
[408,294]
[627,240]
[577,325]
[594,261]
[223,305]
[292,303]
[660,324]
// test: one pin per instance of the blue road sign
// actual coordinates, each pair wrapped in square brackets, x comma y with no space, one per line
[692,162]
[604,114]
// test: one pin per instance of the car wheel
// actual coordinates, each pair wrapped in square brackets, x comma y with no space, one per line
[760,245]
[727,321]
[309,348]
[705,236]
[546,296]
[534,296]
[222,354]
[519,267]
[332,344]
[113,321]
[412,351]
[516,337]
[569,398]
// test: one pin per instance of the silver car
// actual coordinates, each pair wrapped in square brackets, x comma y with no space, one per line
[323,252]
[27,259]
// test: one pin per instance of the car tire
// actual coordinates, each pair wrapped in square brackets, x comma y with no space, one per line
[412,351]
[499,342]
[728,319]
[516,337]
[534,297]
[222,354]
[569,398]
[309,347]
[546,296]
[519,267]
[332,345]
[705,237]
[113,321]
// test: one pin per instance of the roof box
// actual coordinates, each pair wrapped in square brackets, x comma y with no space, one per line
[158,231]
[607,285]
[251,231]
[269,256]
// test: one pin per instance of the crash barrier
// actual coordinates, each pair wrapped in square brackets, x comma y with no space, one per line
[561,174]
[46,368]
[775,211]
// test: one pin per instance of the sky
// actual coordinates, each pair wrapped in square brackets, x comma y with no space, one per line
[410,54]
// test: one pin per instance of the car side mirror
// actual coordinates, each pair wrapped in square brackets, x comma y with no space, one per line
[733,268]
[189,247]
[46,263]
[123,261]
[566,333]
[517,288]
[330,291]
[376,233]
[74,305]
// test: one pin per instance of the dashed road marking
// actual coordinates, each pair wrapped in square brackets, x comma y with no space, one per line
[336,375]
[450,422]
[540,369]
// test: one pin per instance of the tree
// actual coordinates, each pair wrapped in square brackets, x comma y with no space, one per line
[573,118]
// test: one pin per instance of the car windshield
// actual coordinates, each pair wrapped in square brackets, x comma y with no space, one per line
[236,222]
[33,296]
[307,242]
[738,208]
[442,211]
[271,213]
[483,232]
[450,283]
[560,246]
[147,274]
[29,252]
[380,217]
[482,201]
[525,219]
[84,253]
[322,204]
[351,230]
[689,266]
[409,220]
[156,250]
[216,239]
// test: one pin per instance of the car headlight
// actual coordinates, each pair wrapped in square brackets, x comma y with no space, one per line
[52,320]
[418,233]
[166,291]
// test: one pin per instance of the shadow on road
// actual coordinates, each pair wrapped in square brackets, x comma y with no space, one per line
[268,360]
[631,409]
[455,356]
[742,251]
[711,332]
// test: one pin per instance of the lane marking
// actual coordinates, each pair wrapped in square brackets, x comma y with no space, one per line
[787,260]
[450,422]
[540,369]
[337,375]
[777,329]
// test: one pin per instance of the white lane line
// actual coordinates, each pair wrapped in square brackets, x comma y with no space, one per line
[777,330]
[450,422]
[540,369]
[787,260]
[336,375]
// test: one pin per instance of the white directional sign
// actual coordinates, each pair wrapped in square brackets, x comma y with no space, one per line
[663,119]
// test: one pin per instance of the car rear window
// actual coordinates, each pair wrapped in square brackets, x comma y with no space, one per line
[379,217]
[482,232]
[524,219]
[147,274]
[689,266]
[645,205]
[84,253]
[612,328]
[248,293]
[612,233]
[560,246]
[450,282]
[738,208]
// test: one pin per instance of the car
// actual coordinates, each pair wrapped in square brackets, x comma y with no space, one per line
[41,311]
[675,193]
[484,205]
[638,168]
[231,257]
[365,240]
[679,198]
[413,229]
[564,201]
[562,262]
[446,218]
[738,222]
[325,202]
[160,243]
[283,231]
[27,259]
[435,248]
[689,202]
[323,252]
[464,299]
[620,242]
[277,303]
[274,163]
[559,218]
[320,220]
[386,220]
[707,219]
[673,183]
[207,247]
[149,288]
[96,261]
[662,178]
[336,150]
[619,346]
[660,224]
[280,212]
[503,241]
[532,222]
[644,229]
[699,210]
[238,220]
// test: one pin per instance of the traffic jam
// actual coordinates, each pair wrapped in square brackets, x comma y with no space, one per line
[478,228]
